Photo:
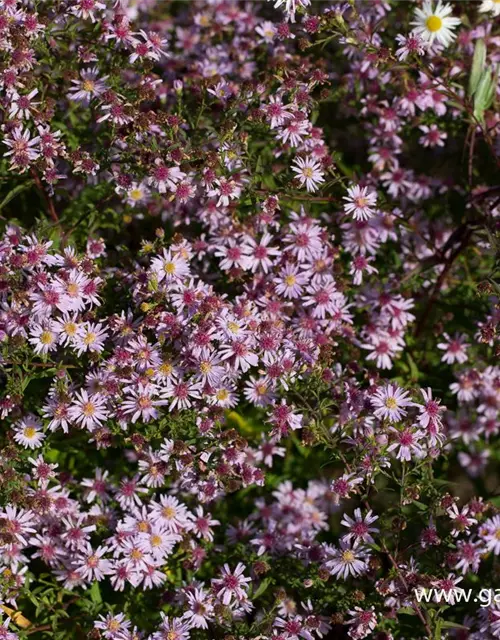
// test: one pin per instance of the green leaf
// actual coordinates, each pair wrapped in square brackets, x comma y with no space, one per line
[445,624]
[95,593]
[482,95]
[14,192]
[262,587]
[409,611]
[478,62]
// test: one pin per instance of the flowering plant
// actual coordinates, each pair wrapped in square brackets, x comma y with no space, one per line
[249,319]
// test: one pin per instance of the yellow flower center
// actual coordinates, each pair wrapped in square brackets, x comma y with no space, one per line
[136,194]
[205,367]
[88,85]
[307,172]
[136,554]
[348,556]
[70,328]
[29,432]
[391,403]
[166,369]
[222,394]
[88,409]
[168,512]
[46,337]
[233,327]
[72,289]
[143,526]
[169,267]
[433,23]
[290,280]
[155,541]
[114,625]
[89,338]
[497,534]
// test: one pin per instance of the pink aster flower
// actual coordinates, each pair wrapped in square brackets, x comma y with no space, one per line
[360,202]
[232,585]
[309,172]
[390,403]
[347,560]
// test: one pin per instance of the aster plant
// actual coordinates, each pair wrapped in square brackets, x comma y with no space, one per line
[249,309]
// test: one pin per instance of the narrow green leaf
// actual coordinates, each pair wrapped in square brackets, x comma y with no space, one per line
[445,624]
[481,95]
[262,587]
[14,192]
[478,62]
[95,593]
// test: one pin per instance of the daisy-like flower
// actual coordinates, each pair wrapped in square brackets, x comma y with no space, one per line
[112,625]
[169,267]
[22,105]
[171,514]
[158,542]
[232,585]
[137,194]
[203,523]
[447,585]
[362,622]
[430,412]
[18,523]
[455,349]
[461,520]
[277,112]
[290,281]
[409,44]
[290,7]
[226,190]
[490,534]
[140,404]
[390,403]
[347,561]
[88,86]
[200,608]
[165,178]
[23,148]
[86,9]
[435,23]
[90,337]
[432,136]
[67,329]
[261,255]
[360,528]
[360,202]
[179,394]
[407,443]
[44,338]
[88,411]
[309,172]
[293,132]
[469,556]
[267,31]
[91,565]
[28,432]
[490,6]
[359,265]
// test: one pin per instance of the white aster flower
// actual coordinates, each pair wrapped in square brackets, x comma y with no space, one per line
[435,23]
[490,6]
[309,172]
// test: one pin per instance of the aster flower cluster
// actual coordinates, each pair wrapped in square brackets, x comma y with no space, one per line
[248,319]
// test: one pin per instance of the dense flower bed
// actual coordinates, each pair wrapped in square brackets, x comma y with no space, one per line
[249,319]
